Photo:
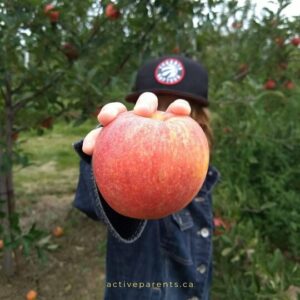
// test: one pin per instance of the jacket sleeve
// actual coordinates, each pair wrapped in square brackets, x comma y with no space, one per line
[89,200]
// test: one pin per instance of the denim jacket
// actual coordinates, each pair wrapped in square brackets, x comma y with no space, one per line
[165,259]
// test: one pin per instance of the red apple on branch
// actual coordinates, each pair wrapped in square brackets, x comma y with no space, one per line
[47,122]
[112,12]
[270,85]
[70,51]
[54,16]
[237,25]
[295,41]
[48,8]
[150,167]
[289,85]
[176,50]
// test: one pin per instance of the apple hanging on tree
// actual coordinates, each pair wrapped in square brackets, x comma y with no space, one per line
[112,12]
[48,8]
[70,51]
[54,16]
[289,85]
[47,122]
[295,41]
[270,84]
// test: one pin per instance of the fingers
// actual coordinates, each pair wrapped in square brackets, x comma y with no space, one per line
[89,141]
[110,111]
[146,104]
[179,107]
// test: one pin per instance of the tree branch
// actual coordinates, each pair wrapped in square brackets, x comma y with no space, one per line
[21,103]
[127,57]
[2,93]
[96,28]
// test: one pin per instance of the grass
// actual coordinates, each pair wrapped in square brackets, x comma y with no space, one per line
[55,144]
[51,157]
[51,177]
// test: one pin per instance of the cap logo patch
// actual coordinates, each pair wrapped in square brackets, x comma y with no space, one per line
[169,72]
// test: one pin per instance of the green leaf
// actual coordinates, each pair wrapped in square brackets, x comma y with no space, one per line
[268,205]
[52,247]
[44,241]
[26,246]
[226,251]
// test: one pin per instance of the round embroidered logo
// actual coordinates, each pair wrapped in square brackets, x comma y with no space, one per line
[170,71]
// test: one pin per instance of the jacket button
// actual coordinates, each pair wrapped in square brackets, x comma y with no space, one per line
[199,199]
[204,232]
[201,269]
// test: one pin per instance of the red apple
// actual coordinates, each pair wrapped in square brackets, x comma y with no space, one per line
[47,123]
[270,85]
[48,8]
[54,16]
[295,41]
[112,12]
[176,50]
[31,295]
[150,167]
[58,231]
[220,226]
[289,85]
[70,51]
[237,25]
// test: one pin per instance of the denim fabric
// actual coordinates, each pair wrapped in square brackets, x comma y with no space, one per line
[165,259]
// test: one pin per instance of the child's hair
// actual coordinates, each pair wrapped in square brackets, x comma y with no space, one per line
[202,116]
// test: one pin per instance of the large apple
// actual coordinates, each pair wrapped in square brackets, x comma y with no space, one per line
[150,167]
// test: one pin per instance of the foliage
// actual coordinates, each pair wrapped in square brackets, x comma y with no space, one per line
[26,241]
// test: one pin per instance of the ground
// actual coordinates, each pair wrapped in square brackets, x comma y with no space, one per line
[74,271]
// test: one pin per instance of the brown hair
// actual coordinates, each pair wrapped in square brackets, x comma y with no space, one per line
[202,116]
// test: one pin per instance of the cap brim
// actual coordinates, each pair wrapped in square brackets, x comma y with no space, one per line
[186,96]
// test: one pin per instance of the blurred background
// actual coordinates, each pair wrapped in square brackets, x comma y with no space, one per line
[61,61]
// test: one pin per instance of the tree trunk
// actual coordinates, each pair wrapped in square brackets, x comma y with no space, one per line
[6,178]
[6,195]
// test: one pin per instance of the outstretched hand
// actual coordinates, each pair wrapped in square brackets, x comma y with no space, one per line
[145,106]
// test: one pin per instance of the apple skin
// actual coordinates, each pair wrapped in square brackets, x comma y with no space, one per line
[112,12]
[270,85]
[150,167]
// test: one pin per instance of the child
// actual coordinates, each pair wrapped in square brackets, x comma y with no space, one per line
[169,258]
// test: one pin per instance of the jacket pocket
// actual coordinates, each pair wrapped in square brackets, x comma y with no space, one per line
[176,235]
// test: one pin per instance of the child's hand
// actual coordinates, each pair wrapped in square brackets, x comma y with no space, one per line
[145,106]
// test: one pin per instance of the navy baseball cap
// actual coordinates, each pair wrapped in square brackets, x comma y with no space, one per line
[172,75]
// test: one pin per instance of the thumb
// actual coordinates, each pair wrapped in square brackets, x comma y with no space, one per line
[90,140]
